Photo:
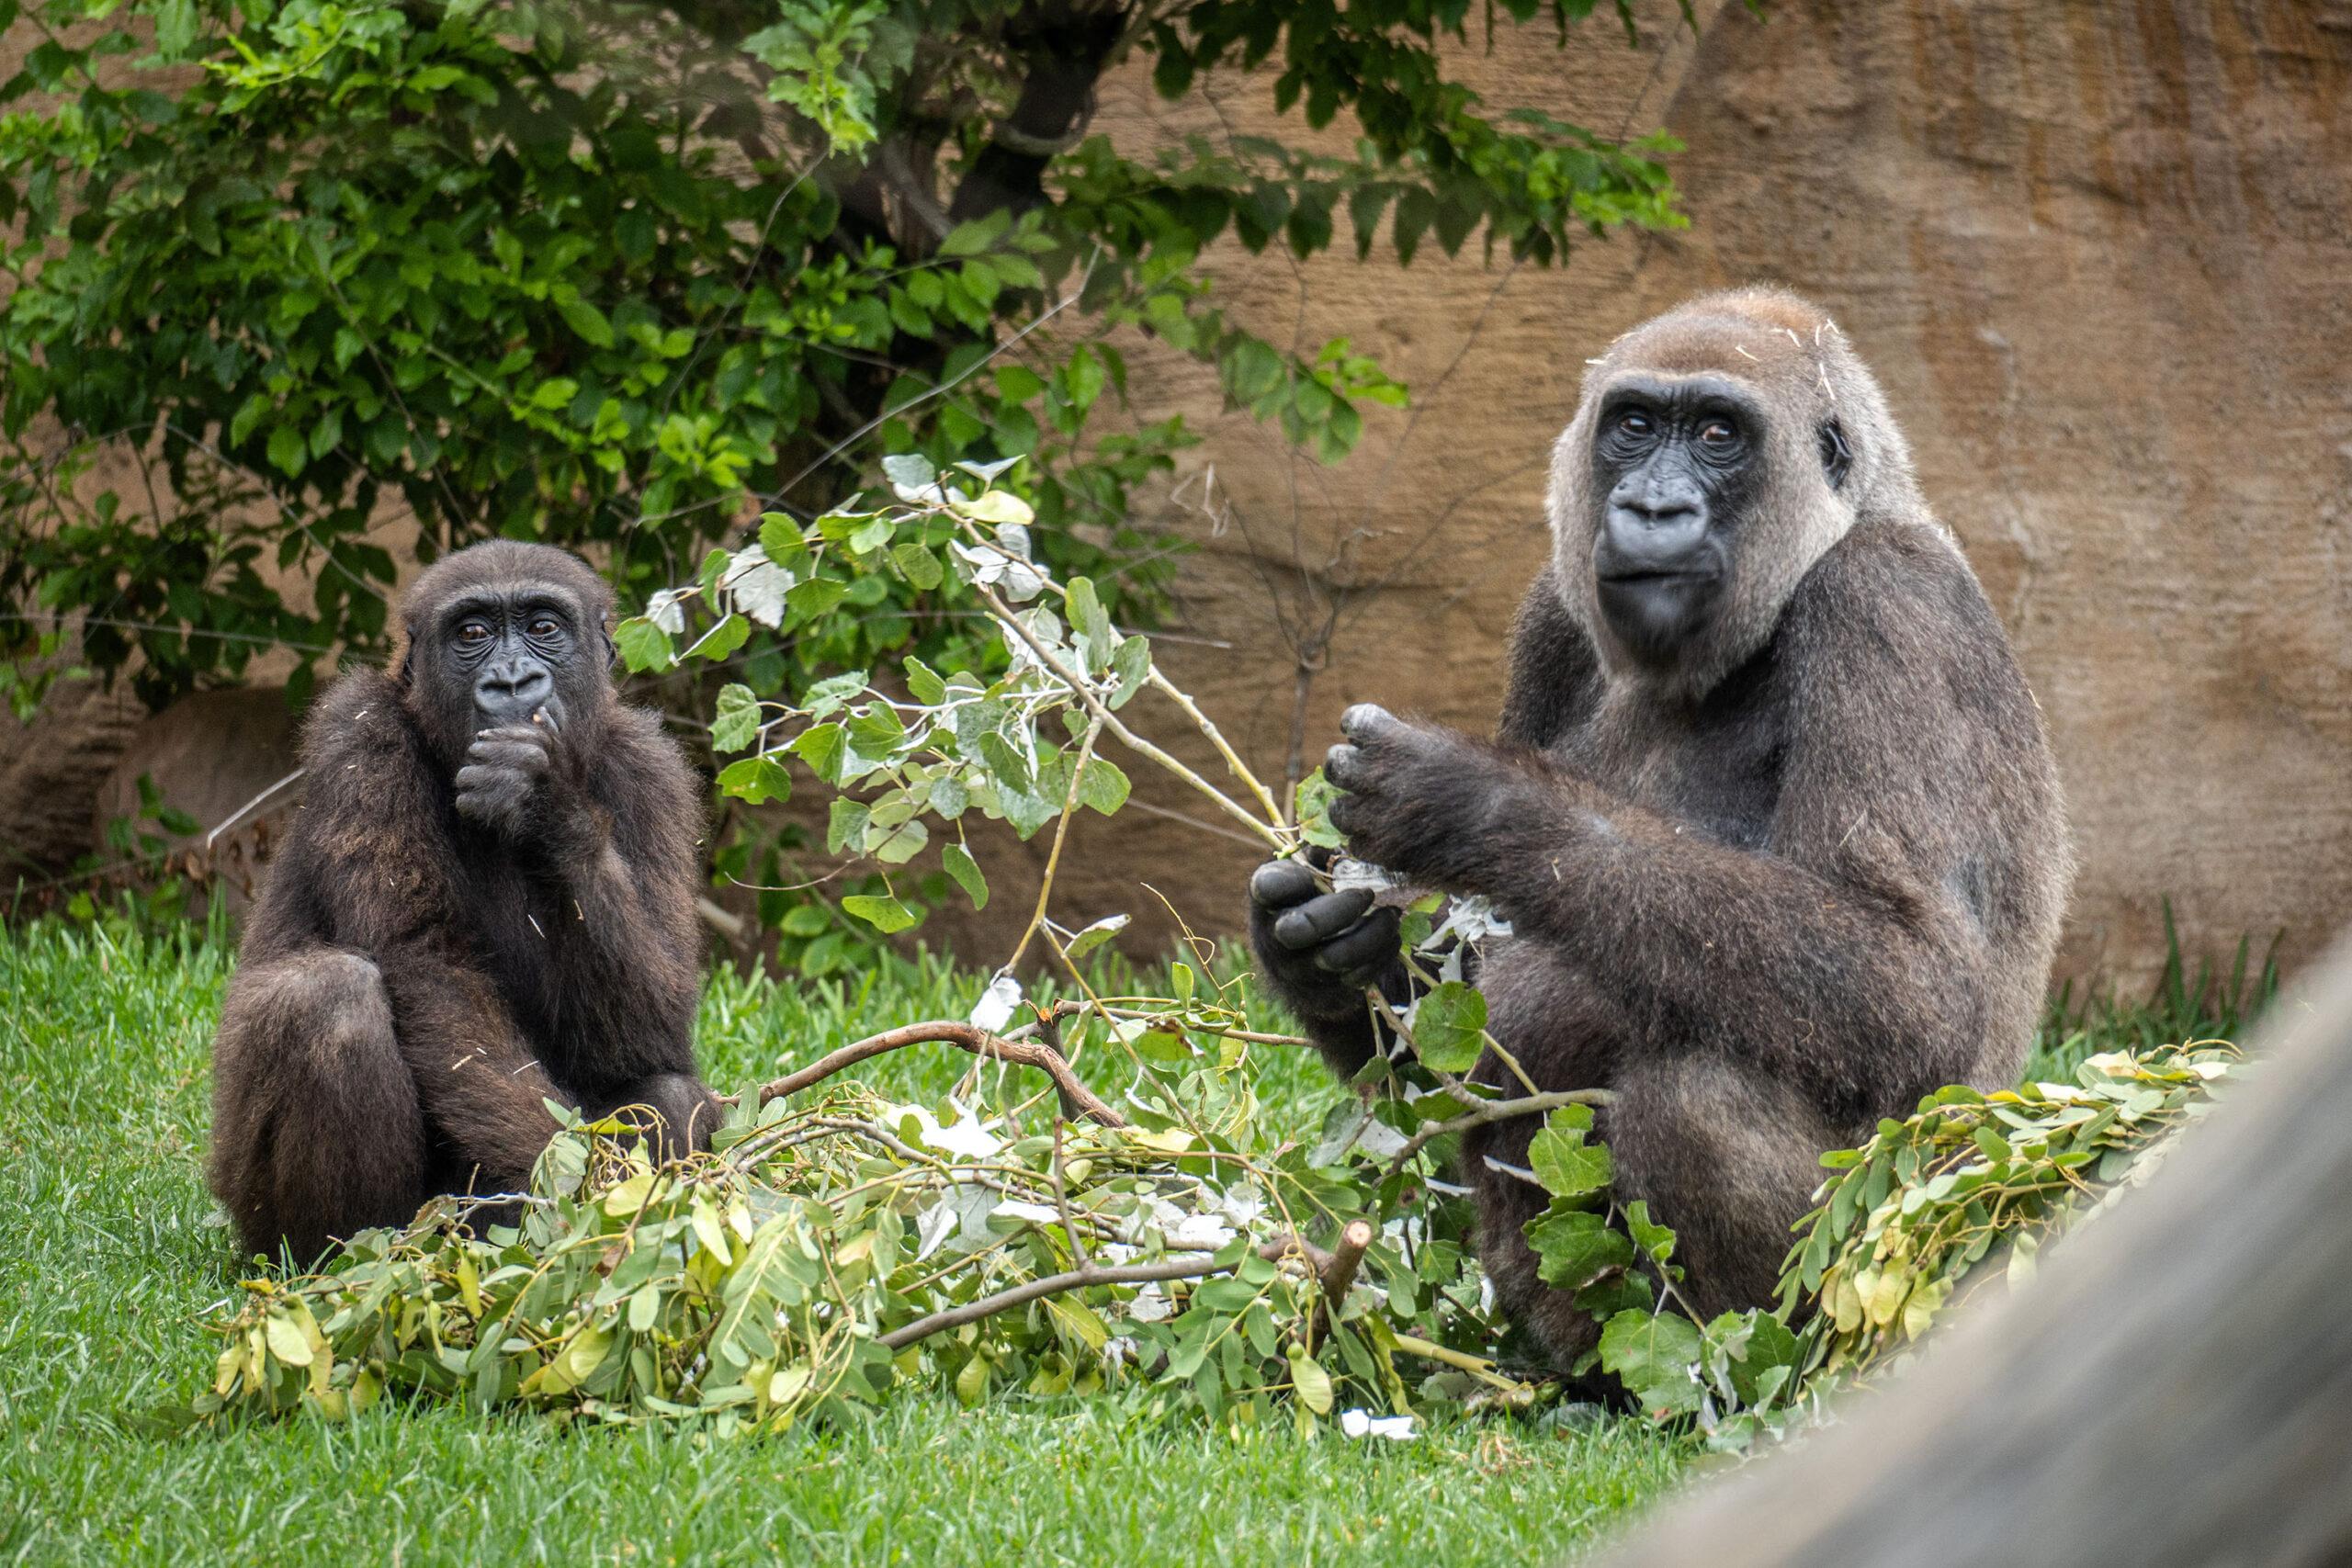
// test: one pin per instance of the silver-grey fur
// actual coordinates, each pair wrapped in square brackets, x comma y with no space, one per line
[1769,885]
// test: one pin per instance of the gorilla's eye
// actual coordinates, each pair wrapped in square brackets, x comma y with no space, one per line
[473,631]
[543,626]
[1634,422]
[1717,434]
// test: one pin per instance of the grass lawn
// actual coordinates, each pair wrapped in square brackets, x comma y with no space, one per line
[102,1060]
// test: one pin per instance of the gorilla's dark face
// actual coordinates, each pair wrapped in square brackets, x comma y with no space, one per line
[516,652]
[1676,463]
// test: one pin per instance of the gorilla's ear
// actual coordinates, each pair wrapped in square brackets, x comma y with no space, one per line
[1836,458]
[406,665]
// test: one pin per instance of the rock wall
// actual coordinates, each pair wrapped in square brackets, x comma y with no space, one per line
[2099,255]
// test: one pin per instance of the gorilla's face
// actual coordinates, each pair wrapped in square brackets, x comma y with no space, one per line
[512,653]
[1675,465]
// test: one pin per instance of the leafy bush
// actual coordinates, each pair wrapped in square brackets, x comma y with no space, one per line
[620,278]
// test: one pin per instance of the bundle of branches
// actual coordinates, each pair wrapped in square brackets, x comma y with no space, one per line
[835,1245]
[1899,1236]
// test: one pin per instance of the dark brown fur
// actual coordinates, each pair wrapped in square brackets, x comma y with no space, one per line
[413,985]
[1783,888]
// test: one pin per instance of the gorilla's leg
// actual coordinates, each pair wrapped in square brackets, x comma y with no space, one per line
[316,1130]
[1728,1157]
[1725,1157]
[687,1113]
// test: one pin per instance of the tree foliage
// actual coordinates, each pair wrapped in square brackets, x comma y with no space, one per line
[621,279]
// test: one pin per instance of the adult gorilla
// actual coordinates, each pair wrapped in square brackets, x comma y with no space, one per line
[486,901]
[1772,812]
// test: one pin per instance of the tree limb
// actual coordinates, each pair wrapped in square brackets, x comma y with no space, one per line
[1051,1285]
[1076,1099]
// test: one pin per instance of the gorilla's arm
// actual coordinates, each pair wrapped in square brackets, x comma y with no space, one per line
[616,826]
[1555,675]
[369,857]
[1320,952]
[1842,952]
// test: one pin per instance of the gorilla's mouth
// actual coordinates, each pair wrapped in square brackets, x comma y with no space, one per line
[1637,577]
[547,710]
[1655,610]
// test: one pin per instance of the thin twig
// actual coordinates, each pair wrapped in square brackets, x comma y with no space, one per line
[1051,1285]
[1272,833]
[1233,761]
[1053,855]
[1061,1201]
[1076,1097]
[1499,1111]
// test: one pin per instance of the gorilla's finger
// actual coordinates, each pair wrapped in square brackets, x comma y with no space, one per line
[1342,766]
[1366,947]
[1346,817]
[537,737]
[508,754]
[1364,721]
[1279,883]
[1319,919]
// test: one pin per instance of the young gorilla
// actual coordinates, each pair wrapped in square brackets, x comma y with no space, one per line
[1772,812]
[486,900]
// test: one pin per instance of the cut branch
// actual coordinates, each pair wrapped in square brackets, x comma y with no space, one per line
[1272,833]
[1051,1285]
[1335,1271]
[1076,1099]
[1499,1111]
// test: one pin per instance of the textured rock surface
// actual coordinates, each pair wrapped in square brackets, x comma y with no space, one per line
[2100,257]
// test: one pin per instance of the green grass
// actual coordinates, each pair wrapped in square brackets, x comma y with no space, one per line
[102,1050]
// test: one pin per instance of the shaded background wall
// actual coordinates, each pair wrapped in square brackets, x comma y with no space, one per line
[2099,256]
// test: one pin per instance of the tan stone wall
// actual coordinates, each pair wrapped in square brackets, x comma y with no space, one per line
[2099,255]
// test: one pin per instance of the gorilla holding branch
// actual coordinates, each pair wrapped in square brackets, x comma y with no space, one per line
[1770,811]
[486,902]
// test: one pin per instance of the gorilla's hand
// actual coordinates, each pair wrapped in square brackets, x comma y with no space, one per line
[504,784]
[1319,949]
[1418,799]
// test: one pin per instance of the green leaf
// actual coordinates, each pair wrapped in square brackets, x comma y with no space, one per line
[1313,812]
[922,568]
[905,841]
[960,865]
[1095,935]
[823,746]
[1651,1353]
[1575,1246]
[287,450]
[886,915]
[1764,1343]
[588,322]
[1312,1383]
[643,646]
[815,597]
[1563,1161]
[724,638]
[755,781]
[1449,1028]
[845,824]
[1103,785]
[1651,1237]
[735,721]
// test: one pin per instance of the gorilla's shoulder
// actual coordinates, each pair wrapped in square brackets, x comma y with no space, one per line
[1903,582]
[361,712]
[646,749]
